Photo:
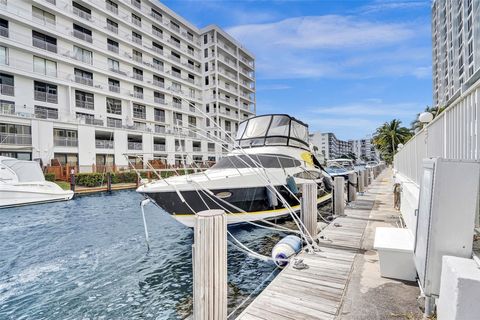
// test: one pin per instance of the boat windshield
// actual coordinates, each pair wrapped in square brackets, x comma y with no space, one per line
[272,130]
[26,171]
[253,160]
[347,164]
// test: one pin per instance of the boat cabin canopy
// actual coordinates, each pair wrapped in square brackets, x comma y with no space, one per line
[272,130]
[346,163]
[20,170]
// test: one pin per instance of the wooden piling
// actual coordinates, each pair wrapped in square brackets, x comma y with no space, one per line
[365,182]
[352,187]
[361,181]
[309,207]
[339,195]
[109,182]
[210,266]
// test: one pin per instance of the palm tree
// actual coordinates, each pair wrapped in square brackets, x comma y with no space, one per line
[389,136]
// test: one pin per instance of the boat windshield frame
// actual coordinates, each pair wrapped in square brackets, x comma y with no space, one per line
[272,130]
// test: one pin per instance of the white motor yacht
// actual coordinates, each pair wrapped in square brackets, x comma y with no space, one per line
[22,182]
[273,152]
[340,167]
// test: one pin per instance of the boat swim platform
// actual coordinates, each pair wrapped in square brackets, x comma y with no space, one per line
[343,280]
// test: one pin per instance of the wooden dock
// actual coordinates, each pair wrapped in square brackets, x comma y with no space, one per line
[317,292]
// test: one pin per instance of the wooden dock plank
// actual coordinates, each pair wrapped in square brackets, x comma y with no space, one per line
[316,292]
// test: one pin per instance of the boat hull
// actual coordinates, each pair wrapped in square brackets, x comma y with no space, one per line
[241,205]
[23,196]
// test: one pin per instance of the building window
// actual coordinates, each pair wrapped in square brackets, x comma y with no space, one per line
[159,115]
[43,16]
[83,55]
[205,39]
[157,32]
[177,102]
[82,11]
[112,26]
[139,111]
[4,28]
[114,106]
[66,158]
[136,37]
[84,100]
[44,42]
[82,33]
[3,55]
[159,97]
[157,15]
[45,113]
[45,92]
[157,64]
[137,56]
[83,77]
[7,107]
[136,20]
[111,6]
[112,45]
[158,48]
[114,123]
[114,85]
[158,81]
[138,92]
[7,85]
[113,65]
[65,138]
[44,66]
[137,3]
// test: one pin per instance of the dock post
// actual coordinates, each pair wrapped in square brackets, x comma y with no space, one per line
[210,266]
[72,180]
[109,182]
[339,196]
[309,207]
[361,182]
[367,177]
[352,187]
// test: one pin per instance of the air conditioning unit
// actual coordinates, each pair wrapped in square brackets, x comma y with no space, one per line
[446,212]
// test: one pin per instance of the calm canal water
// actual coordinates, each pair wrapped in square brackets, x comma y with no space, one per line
[87,259]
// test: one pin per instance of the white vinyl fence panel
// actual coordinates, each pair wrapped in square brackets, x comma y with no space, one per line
[453,135]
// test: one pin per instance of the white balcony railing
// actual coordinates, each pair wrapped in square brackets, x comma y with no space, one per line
[7,90]
[65,142]
[158,147]
[135,145]
[103,144]
[15,138]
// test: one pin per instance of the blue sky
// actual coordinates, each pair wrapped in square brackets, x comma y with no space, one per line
[342,66]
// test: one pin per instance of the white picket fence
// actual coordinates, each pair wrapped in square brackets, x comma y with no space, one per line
[454,134]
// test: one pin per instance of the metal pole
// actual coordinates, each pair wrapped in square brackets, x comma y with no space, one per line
[339,196]
[309,207]
[352,187]
[109,182]
[72,180]
[210,266]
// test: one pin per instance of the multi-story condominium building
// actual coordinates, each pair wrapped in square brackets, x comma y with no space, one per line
[329,146]
[85,82]
[363,149]
[456,48]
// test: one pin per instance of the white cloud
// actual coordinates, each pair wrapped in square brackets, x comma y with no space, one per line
[393,5]
[271,87]
[370,108]
[335,46]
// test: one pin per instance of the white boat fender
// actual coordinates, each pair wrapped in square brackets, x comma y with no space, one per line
[285,248]
[272,197]
[292,185]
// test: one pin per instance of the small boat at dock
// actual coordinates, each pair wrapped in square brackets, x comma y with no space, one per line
[22,182]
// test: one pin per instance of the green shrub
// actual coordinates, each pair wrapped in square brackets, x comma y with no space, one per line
[124,177]
[90,179]
[50,177]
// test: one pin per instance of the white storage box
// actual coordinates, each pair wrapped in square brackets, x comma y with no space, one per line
[395,251]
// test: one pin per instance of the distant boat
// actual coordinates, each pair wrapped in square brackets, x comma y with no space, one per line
[340,167]
[371,164]
[22,182]
[273,148]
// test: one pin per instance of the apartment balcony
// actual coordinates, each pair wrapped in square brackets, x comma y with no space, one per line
[82,14]
[103,144]
[114,88]
[112,28]
[157,50]
[84,80]
[114,123]
[137,40]
[156,16]
[111,8]
[8,109]
[177,105]
[65,142]
[157,34]
[157,66]
[15,138]
[135,145]
[7,90]
[138,95]
[175,58]
[137,76]
[160,118]
[159,84]
[44,96]
[197,149]
[174,43]
[159,100]
[177,74]
[211,149]
[174,28]
[46,114]
[160,130]
[42,19]
[82,36]
[136,4]
[140,115]
[116,70]
[44,45]
[137,23]
[93,121]
[159,147]
[4,32]
[84,104]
